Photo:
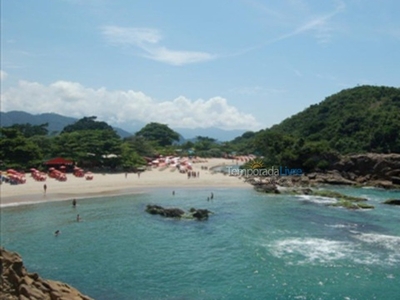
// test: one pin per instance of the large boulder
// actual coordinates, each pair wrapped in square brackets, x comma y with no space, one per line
[396,180]
[392,202]
[17,283]
[378,166]
[200,214]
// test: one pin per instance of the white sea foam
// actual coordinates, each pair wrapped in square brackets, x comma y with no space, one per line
[390,242]
[317,199]
[312,250]
[341,225]
[322,251]
[21,203]
[390,245]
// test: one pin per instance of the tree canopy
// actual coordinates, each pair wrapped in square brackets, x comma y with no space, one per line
[87,123]
[161,134]
[361,119]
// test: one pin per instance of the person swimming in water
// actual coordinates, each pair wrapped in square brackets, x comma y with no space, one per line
[57,232]
[74,203]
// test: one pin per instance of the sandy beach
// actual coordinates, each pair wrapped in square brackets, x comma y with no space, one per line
[117,184]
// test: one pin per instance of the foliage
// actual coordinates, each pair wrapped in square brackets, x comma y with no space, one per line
[87,123]
[141,146]
[204,143]
[361,119]
[17,151]
[88,146]
[161,134]
[29,130]
[244,144]
[129,157]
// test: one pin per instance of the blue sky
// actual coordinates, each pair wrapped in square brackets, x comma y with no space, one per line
[237,64]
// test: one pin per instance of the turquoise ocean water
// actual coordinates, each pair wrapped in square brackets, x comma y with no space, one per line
[255,246]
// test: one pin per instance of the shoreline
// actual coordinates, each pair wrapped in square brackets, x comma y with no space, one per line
[117,184]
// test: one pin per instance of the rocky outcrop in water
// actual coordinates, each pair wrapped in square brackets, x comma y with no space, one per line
[17,283]
[198,214]
[293,186]
[392,202]
[377,170]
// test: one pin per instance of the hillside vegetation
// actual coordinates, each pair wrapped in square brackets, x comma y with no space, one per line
[363,119]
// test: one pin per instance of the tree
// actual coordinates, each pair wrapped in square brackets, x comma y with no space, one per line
[204,143]
[159,133]
[88,145]
[129,157]
[16,151]
[141,146]
[87,123]
[29,130]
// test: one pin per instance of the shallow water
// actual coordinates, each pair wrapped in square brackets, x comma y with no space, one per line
[255,246]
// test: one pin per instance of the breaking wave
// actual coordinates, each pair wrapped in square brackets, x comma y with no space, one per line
[366,248]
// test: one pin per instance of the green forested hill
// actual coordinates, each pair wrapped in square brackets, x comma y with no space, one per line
[360,119]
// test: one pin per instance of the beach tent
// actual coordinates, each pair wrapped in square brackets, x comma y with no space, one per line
[59,161]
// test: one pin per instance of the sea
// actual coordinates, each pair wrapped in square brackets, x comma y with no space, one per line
[253,246]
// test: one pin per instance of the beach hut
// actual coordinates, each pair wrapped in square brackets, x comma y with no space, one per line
[59,163]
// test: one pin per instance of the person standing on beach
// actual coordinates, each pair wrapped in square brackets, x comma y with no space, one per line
[44,188]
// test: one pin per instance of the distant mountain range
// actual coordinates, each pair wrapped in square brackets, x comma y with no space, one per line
[58,122]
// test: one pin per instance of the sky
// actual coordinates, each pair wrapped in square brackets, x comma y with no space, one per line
[237,64]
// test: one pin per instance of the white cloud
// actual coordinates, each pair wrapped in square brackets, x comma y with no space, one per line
[3,75]
[147,39]
[117,107]
[298,15]
[319,25]
[133,36]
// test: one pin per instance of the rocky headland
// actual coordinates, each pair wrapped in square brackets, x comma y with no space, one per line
[375,170]
[18,284]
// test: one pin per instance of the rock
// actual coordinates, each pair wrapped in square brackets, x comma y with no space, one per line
[31,292]
[385,184]
[306,191]
[199,214]
[17,283]
[268,188]
[166,212]
[378,166]
[312,176]
[396,180]
[330,177]
[392,202]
